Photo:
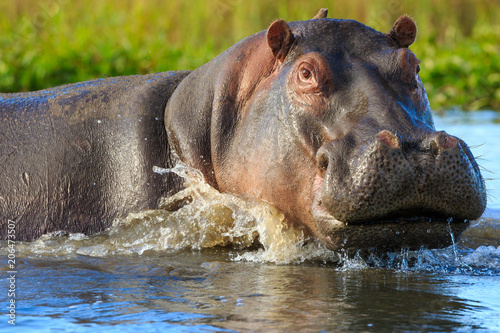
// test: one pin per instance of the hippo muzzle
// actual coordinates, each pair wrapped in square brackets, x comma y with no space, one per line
[398,193]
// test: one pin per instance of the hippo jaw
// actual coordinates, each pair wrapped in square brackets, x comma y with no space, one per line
[389,234]
[398,195]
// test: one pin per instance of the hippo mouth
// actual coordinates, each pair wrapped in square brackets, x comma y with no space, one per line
[411,229]
[398,193]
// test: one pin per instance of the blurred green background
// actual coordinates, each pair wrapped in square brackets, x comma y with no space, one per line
[44,43]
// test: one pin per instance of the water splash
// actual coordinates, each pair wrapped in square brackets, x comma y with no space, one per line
[404,265]
[195,218]
[355,263]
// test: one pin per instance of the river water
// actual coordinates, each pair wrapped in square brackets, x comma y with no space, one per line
[199,269]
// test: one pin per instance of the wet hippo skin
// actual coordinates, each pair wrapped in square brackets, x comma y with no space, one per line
[326,119]
[75,157]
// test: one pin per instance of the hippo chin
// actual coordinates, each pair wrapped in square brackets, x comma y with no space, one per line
[326,119]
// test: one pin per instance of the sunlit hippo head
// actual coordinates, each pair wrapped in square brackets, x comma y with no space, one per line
[329,121]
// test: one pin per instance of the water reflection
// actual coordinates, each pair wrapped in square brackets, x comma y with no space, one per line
[204,289]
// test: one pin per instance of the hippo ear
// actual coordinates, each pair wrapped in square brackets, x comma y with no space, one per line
[323,13]
[280,39]
[404,31]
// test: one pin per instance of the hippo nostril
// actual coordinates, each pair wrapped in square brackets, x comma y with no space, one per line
[447,141]
[442,141]
[389,139]
[434,148]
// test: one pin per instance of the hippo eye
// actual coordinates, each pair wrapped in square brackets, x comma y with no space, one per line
[306,74]
[306,77]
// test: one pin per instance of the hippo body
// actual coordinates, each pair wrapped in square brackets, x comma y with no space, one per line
[326,119]
[75,157]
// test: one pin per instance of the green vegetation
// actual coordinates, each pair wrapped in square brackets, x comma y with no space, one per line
[50,42]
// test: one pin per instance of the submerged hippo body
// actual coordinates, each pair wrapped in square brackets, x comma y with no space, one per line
[326,119]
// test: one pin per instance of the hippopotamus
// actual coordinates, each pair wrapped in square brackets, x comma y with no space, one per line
[326,119]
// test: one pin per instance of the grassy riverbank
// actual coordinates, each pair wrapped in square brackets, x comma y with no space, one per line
[45,43]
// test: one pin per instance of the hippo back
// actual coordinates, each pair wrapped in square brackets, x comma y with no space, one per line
[75,157]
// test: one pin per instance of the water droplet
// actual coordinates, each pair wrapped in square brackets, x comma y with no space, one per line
[26,178]
[428,231]
[453,242]
[98,121]
[156,118]
[146,139]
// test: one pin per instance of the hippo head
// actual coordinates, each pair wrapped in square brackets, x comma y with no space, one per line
[329,121]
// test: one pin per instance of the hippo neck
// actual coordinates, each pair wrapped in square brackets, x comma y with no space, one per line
[203,112]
